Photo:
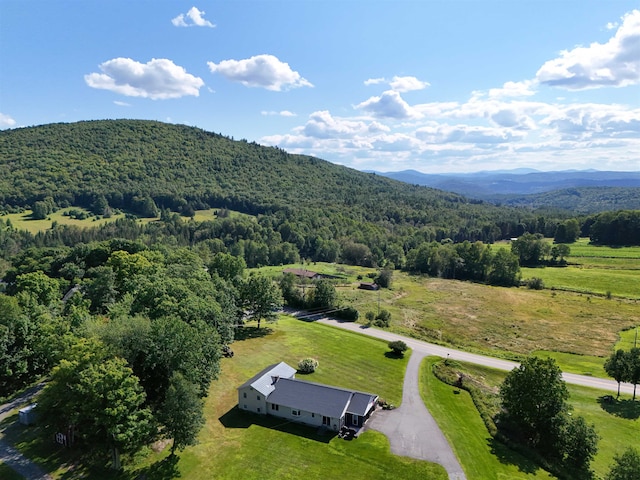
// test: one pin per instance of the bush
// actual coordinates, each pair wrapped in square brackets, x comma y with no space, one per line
[398,347]
[383,319]
[534,283]
[307,365]
[349,313]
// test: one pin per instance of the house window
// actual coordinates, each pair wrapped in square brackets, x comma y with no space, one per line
[295,413]
[245,406]
[313,415]
[244,394]
[326,421]
[275,407]
[258,397]
[258,410]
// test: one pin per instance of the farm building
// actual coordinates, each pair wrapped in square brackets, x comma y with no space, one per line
[275,391]
[300,273]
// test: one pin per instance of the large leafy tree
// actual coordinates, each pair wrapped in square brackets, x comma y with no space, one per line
[98,397]
[182,412]
[617,367]
[261,298]
[534,400]
[626,466]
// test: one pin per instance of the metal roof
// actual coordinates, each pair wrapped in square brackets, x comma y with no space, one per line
[264,381]
[321,399]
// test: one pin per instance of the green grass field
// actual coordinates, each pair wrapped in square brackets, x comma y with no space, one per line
[23,221]
[237,445]
[481,457]
[617,424]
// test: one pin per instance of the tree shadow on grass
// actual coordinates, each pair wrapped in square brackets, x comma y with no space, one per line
[247,333]
[165,469]
[236,418]
[507,456]
[628,409]
[394,355]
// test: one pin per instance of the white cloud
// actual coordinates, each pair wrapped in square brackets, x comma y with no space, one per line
[121,104]
[157,79]
[611,25]
[282,113]
[389,105]
[374,81]
[615,63]
[514,89]
[265,71]
[464,134]
[6,121]
[323,125]
[407,84]
[193,18]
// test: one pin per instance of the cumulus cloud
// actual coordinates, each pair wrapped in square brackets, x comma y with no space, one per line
[400,84]
[514,89]
[407,84]
[265,71]
[389,105]
[374,81]
[157,79]
[6,121]
[323,125]
[444,133]
[612,64]
[193,18]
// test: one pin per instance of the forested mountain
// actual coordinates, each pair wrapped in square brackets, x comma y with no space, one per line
[578,201]
[127,162]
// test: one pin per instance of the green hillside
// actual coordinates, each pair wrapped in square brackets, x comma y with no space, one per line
[183,168]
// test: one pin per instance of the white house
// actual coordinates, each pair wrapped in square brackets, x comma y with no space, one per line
[275,391]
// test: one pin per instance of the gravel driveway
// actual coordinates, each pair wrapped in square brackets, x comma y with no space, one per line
[411,429]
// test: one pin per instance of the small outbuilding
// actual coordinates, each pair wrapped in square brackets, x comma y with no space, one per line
[28,415]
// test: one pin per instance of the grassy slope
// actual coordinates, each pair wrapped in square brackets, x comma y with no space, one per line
[618,424]
[481,457]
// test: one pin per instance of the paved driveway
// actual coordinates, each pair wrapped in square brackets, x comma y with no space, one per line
[411,429]
[9,455]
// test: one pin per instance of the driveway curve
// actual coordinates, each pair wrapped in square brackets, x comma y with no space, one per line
[411,429]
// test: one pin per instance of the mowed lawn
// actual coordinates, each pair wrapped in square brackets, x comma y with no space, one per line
[617,424]
[235,444]
[240,445]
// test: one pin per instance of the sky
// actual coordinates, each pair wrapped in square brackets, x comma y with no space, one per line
[437,86]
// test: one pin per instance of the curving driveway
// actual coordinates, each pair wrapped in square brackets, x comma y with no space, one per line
[411,429]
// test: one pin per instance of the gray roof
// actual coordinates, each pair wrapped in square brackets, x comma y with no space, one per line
[265,380]
[321,399]
[359,403]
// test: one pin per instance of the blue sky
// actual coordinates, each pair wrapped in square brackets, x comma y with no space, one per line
[435,86]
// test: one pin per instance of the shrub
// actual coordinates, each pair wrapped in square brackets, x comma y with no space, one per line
[307,365]
[535,283]
[349,313]
[398,347]
[383,319]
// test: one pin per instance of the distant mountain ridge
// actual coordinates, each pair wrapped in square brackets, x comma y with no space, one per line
[485,185]
[578,191]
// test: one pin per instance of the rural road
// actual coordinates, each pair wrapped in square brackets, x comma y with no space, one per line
[440,351]
[9,455]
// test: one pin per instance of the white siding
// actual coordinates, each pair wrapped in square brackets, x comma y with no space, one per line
[251,400]
[308,418]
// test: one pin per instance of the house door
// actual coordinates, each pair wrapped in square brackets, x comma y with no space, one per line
[326,421]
